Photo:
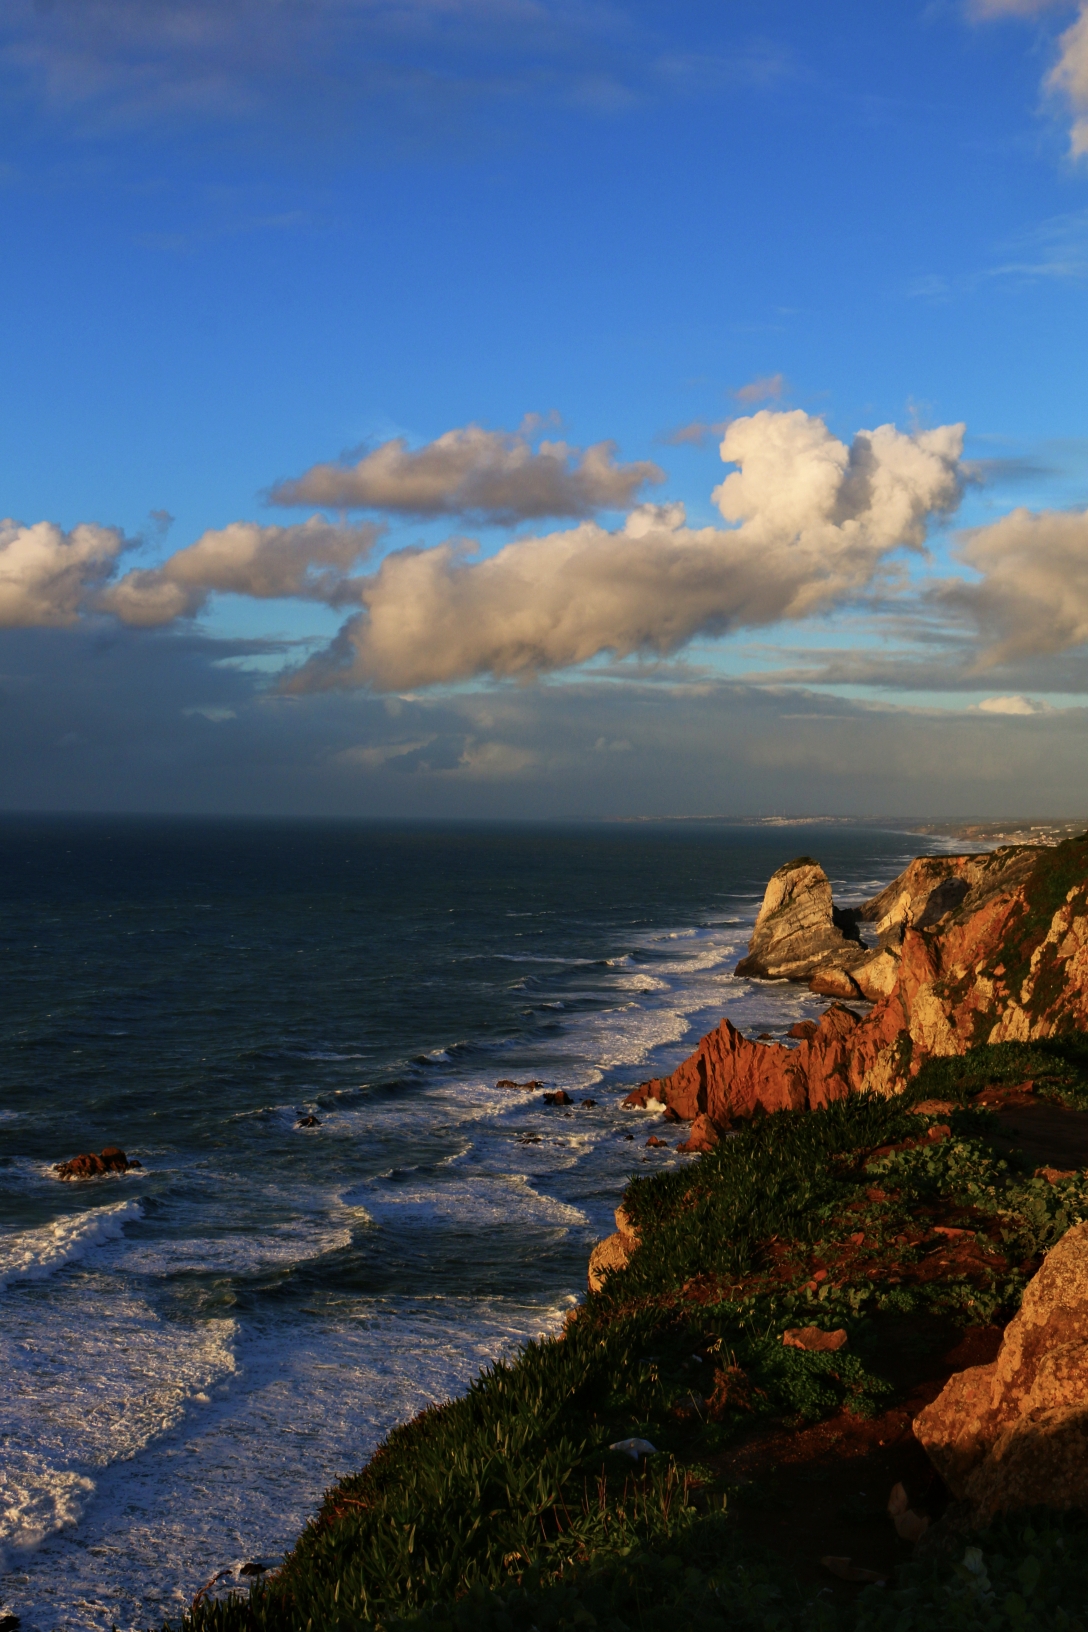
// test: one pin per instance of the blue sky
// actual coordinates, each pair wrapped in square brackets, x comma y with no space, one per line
[246,242]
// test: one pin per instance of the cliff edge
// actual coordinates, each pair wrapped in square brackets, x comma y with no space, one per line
[970,949]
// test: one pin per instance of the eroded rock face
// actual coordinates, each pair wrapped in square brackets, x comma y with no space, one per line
[798,928]
[1015,1433]
[1010,960]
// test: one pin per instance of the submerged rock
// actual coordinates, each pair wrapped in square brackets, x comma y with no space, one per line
[110,1159]
[1015,1433]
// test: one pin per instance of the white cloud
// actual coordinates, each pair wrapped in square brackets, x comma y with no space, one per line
[1069,76]
[46,575]
[494,476]
[814,519]
[1033,595]
[1012,705]
[310,560]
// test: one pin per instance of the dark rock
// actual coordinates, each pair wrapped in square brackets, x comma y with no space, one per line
[657,1143]
[559,1097]
[111,1159]
[803,1029]
[307,1122]
[589,1104]
[526,1087]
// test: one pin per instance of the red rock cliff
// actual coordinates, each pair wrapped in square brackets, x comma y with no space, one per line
[1006,960]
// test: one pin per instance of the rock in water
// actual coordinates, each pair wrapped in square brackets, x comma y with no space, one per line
[799,928]
[1015,1433]
[111,1159]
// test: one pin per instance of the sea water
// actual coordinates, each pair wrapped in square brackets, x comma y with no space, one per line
[192,1352]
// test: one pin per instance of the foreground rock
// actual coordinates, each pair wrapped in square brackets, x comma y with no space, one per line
[1004,958]
[614,1252]
[1015,1433]
[110,1159]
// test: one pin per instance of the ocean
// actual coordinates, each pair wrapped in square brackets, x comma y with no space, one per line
[194,1351]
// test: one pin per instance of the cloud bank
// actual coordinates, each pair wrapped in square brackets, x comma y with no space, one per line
[310,560]
[486,476]
[813,521]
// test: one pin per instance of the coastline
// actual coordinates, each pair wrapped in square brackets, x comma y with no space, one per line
[672,1283]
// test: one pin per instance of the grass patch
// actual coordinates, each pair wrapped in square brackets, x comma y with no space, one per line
[507,1509]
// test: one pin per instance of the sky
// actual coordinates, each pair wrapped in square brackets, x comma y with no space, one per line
[528,409]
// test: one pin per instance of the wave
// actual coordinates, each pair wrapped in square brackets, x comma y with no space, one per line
[30,1255]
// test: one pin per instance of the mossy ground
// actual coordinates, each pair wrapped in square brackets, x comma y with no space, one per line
[506,1508]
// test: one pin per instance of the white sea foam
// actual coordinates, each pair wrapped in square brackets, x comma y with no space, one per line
[32,1254]
[243,1475]
[480,1201]
[234,1253]
[82,1392]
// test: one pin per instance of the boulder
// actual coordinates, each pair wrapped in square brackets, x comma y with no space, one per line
[1015,1433]
[703,1136]
[814,1340]
[832,980]
[110,1159]
[613,1252]
[799,928]
[559,1097]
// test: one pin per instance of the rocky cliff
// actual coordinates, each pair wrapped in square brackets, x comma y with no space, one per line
[969,949]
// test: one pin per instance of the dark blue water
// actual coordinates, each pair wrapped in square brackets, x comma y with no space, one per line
[196,1350]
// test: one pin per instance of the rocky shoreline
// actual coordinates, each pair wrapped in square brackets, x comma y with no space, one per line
[968,949]
[833,1373]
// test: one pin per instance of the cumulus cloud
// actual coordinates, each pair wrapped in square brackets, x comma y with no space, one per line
[489,476]
[310,560]
[48,576]
[812,521]
[1032,599]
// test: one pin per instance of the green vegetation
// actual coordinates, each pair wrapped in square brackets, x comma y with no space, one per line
[506,1508]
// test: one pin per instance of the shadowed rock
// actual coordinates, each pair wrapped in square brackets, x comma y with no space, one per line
[1015,1433]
